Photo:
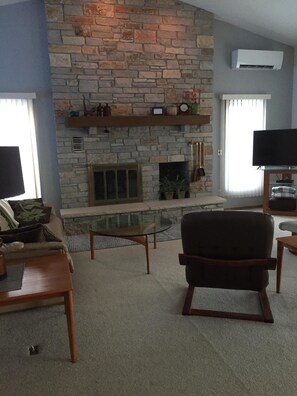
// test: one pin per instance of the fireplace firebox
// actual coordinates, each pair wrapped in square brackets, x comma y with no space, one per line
[174,171]
[117,183]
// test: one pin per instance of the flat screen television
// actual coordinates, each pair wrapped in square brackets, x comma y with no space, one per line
[275,147]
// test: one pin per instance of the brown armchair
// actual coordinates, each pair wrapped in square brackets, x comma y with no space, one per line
[228,250]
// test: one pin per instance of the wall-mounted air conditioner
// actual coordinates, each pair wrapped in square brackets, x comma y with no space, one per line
[257,60]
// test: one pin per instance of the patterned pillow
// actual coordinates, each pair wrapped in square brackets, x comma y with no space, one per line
[31,211]
[7,216]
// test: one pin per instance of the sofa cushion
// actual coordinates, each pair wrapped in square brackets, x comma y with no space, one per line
[28,234]
[30,211]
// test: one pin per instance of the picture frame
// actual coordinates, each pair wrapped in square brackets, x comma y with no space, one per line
[158,110]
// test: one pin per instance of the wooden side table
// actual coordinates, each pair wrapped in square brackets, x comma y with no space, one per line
[286,174]
[45,278]
[289,242]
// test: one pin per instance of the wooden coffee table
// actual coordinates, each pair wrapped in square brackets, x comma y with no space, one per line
[45,278]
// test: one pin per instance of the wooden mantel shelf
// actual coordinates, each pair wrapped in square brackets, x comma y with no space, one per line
[121,121]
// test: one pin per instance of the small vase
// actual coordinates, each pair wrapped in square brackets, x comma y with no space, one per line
[181,194]
[168,194]
[194,108]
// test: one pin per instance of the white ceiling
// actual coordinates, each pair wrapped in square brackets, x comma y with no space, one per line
[273,19]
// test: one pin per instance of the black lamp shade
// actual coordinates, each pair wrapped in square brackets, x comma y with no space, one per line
[11,175]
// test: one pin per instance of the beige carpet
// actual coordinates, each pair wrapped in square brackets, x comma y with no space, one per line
[132,339]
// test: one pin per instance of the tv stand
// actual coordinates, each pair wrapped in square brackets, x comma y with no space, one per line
[286,178]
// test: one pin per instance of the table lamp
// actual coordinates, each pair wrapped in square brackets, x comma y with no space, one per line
[11,183]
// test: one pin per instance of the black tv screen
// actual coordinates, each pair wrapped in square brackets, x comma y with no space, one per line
[275,147]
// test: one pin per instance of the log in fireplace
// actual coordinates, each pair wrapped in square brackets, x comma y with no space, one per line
[116,183]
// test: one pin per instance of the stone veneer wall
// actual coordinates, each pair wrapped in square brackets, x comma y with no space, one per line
[132,54]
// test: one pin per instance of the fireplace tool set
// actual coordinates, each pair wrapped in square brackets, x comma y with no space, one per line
[198,169]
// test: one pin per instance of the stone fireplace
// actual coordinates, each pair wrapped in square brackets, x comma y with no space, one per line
[133,57]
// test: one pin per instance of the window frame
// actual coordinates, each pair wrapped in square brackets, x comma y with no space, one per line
[222,150]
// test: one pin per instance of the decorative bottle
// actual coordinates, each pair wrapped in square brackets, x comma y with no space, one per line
[106,110]
[99,110]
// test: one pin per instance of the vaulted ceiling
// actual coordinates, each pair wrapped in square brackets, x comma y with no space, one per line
[273,19]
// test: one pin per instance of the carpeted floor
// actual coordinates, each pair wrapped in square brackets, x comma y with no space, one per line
[133,341]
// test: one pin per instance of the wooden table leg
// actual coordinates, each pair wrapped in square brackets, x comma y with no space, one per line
[70,323]
[155,237]
[144,241]
[92,245]
[146,245]
[279,264]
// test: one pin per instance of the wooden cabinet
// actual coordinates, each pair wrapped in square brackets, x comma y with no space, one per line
[134,121]
[285,174]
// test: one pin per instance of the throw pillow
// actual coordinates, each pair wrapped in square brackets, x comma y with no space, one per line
[49,236]
[7,213]
[31,211]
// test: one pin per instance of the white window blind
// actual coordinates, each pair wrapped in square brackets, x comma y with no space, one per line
[18,129]
[242,115]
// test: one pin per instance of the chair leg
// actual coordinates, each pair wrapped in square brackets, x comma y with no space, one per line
[266,315]
[188,301]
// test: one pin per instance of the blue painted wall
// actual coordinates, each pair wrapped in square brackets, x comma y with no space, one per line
[24,67]
[277,83]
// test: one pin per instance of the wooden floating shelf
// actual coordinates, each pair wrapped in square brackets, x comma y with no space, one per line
[122,121]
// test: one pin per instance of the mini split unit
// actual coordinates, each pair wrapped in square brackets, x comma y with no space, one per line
[257,60]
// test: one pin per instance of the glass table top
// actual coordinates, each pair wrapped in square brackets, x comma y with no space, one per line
[131,225]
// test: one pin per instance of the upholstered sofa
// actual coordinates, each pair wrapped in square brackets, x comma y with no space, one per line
[40,239]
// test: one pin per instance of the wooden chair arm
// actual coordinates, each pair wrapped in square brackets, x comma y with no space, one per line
[267,263]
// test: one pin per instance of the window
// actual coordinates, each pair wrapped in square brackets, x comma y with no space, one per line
[242,114]
[18,129]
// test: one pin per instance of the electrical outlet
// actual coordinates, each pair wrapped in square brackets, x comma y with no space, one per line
[220,152]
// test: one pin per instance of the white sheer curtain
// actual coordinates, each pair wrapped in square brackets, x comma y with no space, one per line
[243,115]
[18,129]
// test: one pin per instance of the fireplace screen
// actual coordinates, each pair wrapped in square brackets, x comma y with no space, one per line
[120,183]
